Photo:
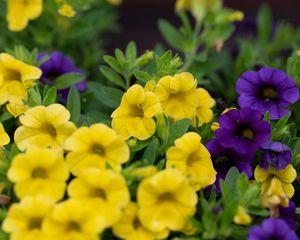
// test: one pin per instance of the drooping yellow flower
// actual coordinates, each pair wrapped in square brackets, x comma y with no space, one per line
[242,217]
[178,95]
[191,157]
[115,2]
[19,12]
[285,176]
[24,220]
[67,10]
[16,107]
[134,116]
[166,200]
[96,146]
[74,219]
[15,77]
[130,228]
[103,187]
[39,171]
[44,127]
[203,110]
[4,138]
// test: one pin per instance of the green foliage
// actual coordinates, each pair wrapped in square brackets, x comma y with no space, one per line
[74,105]
[67,80]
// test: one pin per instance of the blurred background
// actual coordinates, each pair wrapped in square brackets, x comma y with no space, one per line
[138,18]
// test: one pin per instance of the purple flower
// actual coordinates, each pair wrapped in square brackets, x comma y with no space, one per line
[57,65]
[288,214]
[225,158]
[267,90]
[272,229]
[275,154]
[243,130]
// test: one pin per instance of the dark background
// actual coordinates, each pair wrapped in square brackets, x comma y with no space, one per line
[138,19]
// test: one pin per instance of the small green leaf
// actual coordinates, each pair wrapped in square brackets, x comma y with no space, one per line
[49,96]
[264,22]
[298,210]
[110,75]
[131,52]
[171,34]
[67,80]
[149,155]
[113,63]
[74,104]
[5,116]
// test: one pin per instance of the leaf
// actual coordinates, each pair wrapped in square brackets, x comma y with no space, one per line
[98,117]
[149,155]
[5,116]
[298,210]
[131,52]
[49,96]
[113,63]
[110,75]
[264,21]
[68,79]
[74,104]
[170,34]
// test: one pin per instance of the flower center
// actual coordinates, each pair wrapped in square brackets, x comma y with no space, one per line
[138,111]
[269,93]
[167,196]
[50,130]
[35,223]
[73,226]
[98,149]
[99,193]
[39,173]
[136,223]
[13,75]
[247,133]
[222,159]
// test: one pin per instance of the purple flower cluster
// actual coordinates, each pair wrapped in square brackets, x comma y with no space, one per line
[57,65]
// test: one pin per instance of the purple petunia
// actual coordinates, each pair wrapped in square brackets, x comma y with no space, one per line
[267,90]
[57,65]
[272,229]
[275,154]
[288,214]
[225,158]
[243,130]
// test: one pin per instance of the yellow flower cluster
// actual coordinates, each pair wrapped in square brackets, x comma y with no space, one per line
[177,97]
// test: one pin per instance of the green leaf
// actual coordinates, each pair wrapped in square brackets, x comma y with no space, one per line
[98,117]
[74,104]
[131,52]
[113,63]
[110,75]
[5,116]
[149,155]
[176,130]
[49,96]
[298,210]
[170,34]
[264,21]
[67,80]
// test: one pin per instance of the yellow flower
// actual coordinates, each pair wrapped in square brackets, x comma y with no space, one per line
[4,138]
[166,200]
[144,172]
[74,219]
[103,187]
[96,146]
[188,4]
[178,95]
[150,86]
[66,10]
[15,77]
[285,176]
[39,171]
[44,127]
[115,2]
[24,220]
[236,16]
[203,111]
[275,195]
[192,158]
[21,11]
[16,107]
[130,228]
[242,217]
[134,117]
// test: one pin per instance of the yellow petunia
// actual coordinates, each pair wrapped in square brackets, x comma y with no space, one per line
[97,146]
[44,127]
[66,10]
[285,176]
[242,217]
[15,77]
[166,201]
[203,110]
[178,95]
[130,228]
[39,171]
[19,12]
[4,138]
[24,220]
[134,116]
[74,219]
[191,157]
[104,188]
